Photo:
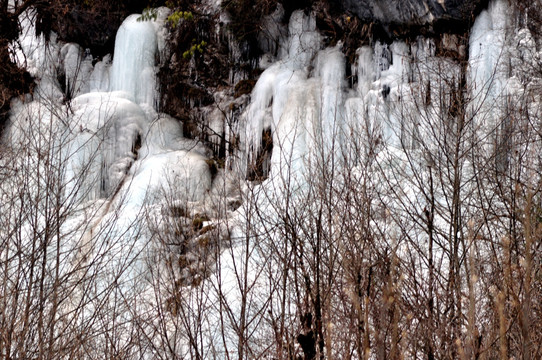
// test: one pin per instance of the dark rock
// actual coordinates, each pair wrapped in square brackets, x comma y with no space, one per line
[244,87]
[392,19]
[91,24]
[92,30]
[197,222]
[412,12]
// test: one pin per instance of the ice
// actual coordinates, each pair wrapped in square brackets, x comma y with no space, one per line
[306,112]
[181,175]
[488,63]
[303,41]
[103,130]
[365,70]
[330,67]
[400,55]
[77,69]
[48,89]
[112,146]
[115,144]
[11,5]
[272,91]
[259,113]
[273,32]
[119,159]
[164,134]
[295,132]
[33,54]
[382,58]
[99,79]
[133,63]
[161,31]
[116,135]
[525,55]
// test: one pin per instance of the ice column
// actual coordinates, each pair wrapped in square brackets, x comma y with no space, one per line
[133,63]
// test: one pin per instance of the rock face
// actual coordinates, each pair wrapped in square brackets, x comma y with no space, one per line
[91,24]
[413,12]
[92,29]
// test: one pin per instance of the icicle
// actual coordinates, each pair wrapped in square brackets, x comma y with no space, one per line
[77,69]
[382,58]
[366,69]
[304,40]
[99,79]
[488,63]
[272,33]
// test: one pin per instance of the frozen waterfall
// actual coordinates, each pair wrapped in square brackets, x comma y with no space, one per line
[355,144]
[97,146]
[304,100]
[133,69]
